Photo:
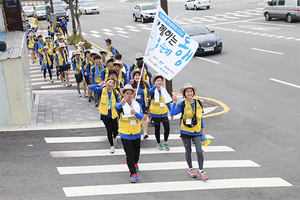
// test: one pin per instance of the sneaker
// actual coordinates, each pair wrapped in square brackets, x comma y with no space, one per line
[86,96]
[80,95]
[45,80]
[145,135]
[133,178]
[136,167]
[57,78]
[166,145]
[115,142]
[192,173]
[159,146]
[202,175]
[51,81]
[112,149]
[90,99]
[97,105]
[150,124]
[69,84]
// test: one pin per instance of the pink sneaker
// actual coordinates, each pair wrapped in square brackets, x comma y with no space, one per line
[202,175]
[192,173]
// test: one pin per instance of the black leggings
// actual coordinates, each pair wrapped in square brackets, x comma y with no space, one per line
[49,71]
[166,125]
[65,31]
[188,150]
[111,126]
[132,151]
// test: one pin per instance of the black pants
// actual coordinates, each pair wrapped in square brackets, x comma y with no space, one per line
[49,71]
[64,31]
[111,126]
[166,124]
[132,151]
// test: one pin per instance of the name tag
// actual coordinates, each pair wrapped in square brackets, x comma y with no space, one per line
[188,121]
[199,114]
[132,122]
[109,106]
[162,104]
[138,96]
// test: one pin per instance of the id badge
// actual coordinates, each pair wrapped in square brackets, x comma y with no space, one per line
[109,106]
[188,121]
[162,104]
[132,122]
[138,96]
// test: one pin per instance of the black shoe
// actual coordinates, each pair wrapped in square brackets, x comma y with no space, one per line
[97,105]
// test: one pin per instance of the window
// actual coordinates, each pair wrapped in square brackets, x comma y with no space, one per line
[298,3]
[281,2]
[273,3]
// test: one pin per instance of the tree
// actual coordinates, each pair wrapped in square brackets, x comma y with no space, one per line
[75,15]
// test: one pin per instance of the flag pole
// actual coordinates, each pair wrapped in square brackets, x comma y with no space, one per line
[138,85]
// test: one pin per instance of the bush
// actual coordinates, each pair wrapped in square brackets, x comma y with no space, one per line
[74,39]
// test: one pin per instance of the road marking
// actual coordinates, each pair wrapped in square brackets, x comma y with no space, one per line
[134,30]
[83,33]
[208,60]
[107,33]
[95,32]
[154,166]
[96,35]
[267,51]
[289,38]
[283,82]
[174,186]
[125,36]
[280,36]
[122,32]
[51,140]
[118,28]
[106,30]
[52,86]
[132,27]
[37,75]
[105,152]
[146,28]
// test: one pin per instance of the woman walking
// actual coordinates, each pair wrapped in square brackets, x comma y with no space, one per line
[191,128]
[108,113]
[130,129]
[141,97]
[159,105]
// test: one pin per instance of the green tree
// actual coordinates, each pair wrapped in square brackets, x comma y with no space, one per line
[75,15]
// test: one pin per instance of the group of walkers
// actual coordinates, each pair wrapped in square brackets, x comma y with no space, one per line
[128,99]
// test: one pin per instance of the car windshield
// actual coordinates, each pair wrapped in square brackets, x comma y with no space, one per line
[39,8]
[28,8]
[196,30]
[58,2]
[89,5]
[59,8]
[148,7]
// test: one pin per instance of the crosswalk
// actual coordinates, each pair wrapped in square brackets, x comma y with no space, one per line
[77,189]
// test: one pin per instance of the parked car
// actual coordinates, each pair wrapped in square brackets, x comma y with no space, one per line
[144,12]
[88,8]
[283,9]
[207,40]
[28,11]
[61,3]
[194,4]
[59,10]
[39,12]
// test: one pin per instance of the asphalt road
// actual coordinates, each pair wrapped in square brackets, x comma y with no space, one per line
[253,76]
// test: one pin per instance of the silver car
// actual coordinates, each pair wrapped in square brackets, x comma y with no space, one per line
[28,11]
[88,8]
[39,12]
[144,12]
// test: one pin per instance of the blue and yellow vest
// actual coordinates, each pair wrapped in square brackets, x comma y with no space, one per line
[188,113]
[126,128]
[103,105]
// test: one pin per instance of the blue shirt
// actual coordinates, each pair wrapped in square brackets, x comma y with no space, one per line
[138,115]
[141,93]
[151,94]
[176,109]
[98,91]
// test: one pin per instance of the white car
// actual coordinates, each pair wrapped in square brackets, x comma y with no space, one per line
[145,12]
[28,10]
[194,4]
[39,12]
[88,8]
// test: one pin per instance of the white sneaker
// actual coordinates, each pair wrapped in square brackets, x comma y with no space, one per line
[115,142]
[80,95]
[86,96]
[145,135]
[112,149]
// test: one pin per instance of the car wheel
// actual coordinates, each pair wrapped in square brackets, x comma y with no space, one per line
[289,18]
[208,7]
[134,18]
[98,12]
[267,17]
[195,7]
[85,12]
[186,7]
[143,20]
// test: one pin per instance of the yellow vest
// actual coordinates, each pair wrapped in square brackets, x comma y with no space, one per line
[61,59]
[155,107]
[77,64]
[84,66]
[126,128]
[31,42]
[50,47]
[103,105]
[121,77]
[106,74]
[51,28]
[46,60]
[188,113]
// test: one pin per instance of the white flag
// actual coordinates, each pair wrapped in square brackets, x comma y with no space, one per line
[169,48]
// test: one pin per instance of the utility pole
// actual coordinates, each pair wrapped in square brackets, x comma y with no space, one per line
[164,6]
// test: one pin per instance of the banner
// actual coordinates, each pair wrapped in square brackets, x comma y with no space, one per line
[169,48]
[12,10]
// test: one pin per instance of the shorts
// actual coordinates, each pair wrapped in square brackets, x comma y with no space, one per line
[156,120]
[30,49]
[145,110]
[87,80]
[62,69]
[78,78]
